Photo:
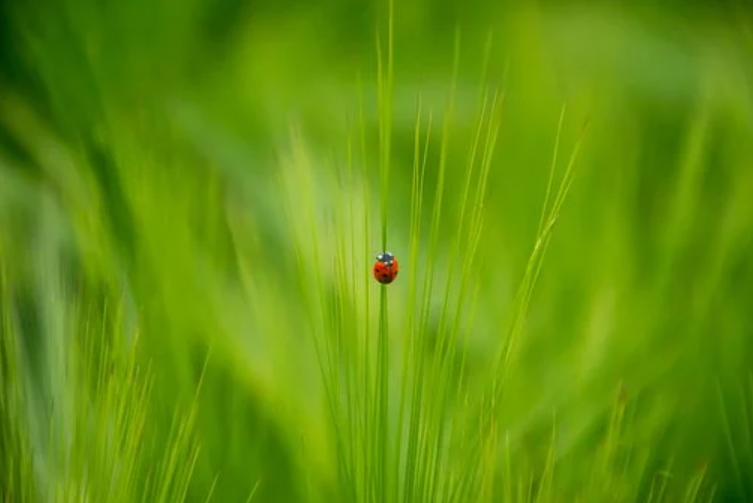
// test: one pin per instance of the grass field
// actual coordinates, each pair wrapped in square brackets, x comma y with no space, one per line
[192,195]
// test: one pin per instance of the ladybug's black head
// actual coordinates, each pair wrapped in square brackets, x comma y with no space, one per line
[385,257]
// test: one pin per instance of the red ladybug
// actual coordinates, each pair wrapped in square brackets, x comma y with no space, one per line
[385,268]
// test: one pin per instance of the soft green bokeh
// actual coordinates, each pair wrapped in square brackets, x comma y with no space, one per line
[184,199]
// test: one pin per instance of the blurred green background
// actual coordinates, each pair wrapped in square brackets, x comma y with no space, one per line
[176,195]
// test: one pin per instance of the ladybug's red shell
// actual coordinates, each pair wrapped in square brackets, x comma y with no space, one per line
[385,268]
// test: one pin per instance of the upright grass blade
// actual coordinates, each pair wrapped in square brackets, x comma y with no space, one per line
[735,455]
[413,360]
[420,455]
[535,262]
[385,84]
[365,355]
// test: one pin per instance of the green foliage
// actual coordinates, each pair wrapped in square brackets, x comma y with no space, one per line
[192,196]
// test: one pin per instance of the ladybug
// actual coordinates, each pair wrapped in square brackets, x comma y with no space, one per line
[385,268]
